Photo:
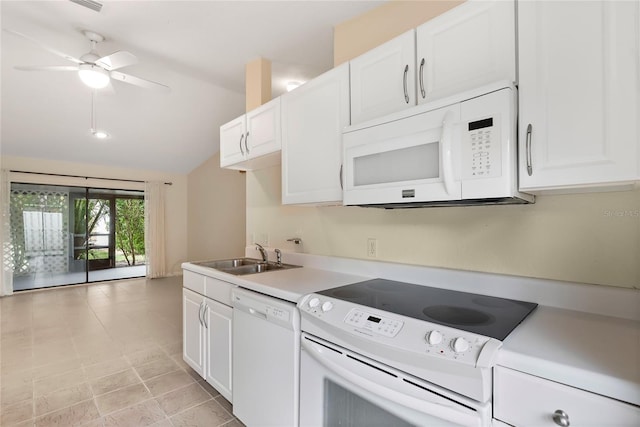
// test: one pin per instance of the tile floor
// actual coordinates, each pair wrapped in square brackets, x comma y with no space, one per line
[106,354]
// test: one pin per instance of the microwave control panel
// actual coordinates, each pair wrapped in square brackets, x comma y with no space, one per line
[481,149]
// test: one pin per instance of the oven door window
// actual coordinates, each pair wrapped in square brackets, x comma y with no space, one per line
[342,388]
[341,404]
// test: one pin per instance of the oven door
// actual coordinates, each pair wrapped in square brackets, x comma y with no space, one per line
[342,388]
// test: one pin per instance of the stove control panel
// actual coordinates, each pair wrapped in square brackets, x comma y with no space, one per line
[373,323]
[321,315]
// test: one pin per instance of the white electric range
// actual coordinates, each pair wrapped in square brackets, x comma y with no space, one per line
[381,352]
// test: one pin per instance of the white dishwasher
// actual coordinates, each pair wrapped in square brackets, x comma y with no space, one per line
[266,360]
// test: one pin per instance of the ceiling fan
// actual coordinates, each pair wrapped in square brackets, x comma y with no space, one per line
[94,70]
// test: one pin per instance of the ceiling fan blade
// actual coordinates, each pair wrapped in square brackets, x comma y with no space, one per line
[46,68]
[45,47]
[116,60]
[148,84]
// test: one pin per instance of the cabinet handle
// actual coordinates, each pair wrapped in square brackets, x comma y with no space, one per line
[422,92]
[528,150]
[200,313]
[204,316]
[241,138]
[404,83]
[246,142]
[340,176]
[561,418]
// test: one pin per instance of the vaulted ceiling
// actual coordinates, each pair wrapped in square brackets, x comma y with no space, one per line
[197,48]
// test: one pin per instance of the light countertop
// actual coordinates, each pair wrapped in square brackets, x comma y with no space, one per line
[572,337]
[592,352]
[289,285]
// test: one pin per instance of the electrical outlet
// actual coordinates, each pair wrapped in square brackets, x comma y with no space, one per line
[372,247]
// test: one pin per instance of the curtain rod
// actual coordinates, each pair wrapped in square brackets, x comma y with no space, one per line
[85,177]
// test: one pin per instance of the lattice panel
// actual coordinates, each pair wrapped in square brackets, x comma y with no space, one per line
[40,231]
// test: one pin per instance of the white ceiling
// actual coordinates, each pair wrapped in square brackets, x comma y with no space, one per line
[198,48]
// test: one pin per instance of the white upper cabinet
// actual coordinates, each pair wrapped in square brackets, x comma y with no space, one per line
[232,142]
[579,94]
[313,117]
[383,79]
[252,141]
[468,46]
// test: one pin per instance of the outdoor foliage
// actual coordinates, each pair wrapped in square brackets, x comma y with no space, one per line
[98,209]
[130,228]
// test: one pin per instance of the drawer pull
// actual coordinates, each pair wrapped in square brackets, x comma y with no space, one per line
[561,418]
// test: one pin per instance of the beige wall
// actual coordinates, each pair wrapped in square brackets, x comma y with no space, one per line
[176,194]
[590,238]
[216,213]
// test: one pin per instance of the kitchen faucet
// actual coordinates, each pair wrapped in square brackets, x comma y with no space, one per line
[262,252]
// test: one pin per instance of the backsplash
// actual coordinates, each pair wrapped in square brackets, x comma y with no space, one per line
[589,238]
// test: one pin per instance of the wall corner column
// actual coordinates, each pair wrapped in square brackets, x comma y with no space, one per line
[257,83]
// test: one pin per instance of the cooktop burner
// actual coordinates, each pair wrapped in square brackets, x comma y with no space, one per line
[489,316]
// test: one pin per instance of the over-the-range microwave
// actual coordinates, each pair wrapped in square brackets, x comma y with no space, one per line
[461,150]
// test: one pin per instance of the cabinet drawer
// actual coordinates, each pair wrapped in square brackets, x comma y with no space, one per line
[193,281]
[218,290]
[525,400]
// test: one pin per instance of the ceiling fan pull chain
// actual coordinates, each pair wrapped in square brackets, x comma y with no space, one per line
[93,111]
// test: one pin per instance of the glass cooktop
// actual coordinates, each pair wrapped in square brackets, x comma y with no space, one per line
[485,315]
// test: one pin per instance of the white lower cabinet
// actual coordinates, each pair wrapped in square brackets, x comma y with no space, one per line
[218,321]
[207,325]
[193,330]
[523,400]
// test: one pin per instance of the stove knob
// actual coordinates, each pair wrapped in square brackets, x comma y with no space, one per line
[314,302]
[328,305]
[434,337]
[459,345]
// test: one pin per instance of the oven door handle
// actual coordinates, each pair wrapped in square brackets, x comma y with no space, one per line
[334,361]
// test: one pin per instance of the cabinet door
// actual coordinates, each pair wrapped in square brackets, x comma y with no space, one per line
[232,142]
[468,46]
[525,400]
[263,129]
[218,322]
[383,79]
[193,330]
[313,117]
[578,66]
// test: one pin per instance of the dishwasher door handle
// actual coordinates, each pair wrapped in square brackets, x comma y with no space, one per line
[257,313]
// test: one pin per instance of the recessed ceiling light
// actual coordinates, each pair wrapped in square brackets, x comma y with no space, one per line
[100,134]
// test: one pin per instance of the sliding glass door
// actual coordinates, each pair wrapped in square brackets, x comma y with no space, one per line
[69,235]
[115,232]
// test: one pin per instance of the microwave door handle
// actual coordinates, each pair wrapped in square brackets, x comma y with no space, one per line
[446,140]
[332,363]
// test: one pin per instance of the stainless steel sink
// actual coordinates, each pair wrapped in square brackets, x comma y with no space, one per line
[242,266]
[257,268]
[228,263]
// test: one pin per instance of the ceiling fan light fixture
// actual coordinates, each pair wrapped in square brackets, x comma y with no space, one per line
[93,76]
